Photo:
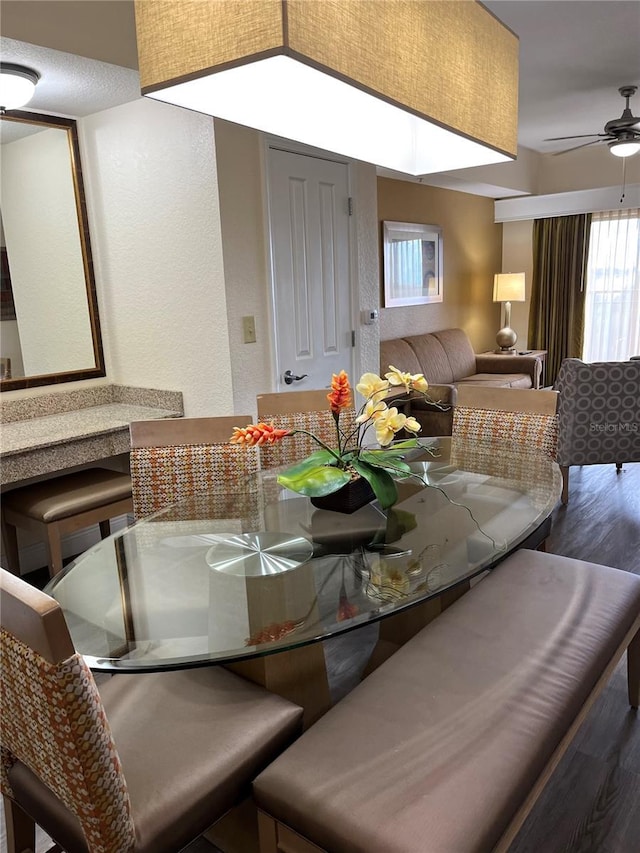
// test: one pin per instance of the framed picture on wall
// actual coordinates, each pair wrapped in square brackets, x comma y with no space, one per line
[412,263]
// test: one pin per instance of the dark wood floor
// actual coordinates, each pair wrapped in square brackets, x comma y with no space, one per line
[592,803]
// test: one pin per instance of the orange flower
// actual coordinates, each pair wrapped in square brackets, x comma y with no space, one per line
[258,434]
[340,394]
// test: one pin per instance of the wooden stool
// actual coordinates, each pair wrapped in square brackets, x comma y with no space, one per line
[62,505]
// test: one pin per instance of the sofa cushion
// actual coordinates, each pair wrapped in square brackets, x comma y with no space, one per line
[431,358]
[459,351]
[398,353]
[498,380]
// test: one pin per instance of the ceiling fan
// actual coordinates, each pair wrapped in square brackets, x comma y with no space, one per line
[622,135]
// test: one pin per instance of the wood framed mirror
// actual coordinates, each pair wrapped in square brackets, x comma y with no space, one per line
[50,328]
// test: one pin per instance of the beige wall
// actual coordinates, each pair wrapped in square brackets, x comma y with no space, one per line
[472,255]
[240,188]
[585,169]
[517,256]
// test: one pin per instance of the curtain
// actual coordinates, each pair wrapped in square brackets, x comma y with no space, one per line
[556,313]
[612,308]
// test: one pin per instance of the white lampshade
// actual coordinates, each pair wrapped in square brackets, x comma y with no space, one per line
[625,147]
[417,87]
[508,287]
[17,85]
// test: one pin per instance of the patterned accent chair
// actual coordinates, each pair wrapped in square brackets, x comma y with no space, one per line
[307,410]
[509,417]
[599,414]
[176,458]
[144,765]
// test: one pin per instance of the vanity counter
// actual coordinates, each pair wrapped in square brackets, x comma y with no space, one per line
[49,443]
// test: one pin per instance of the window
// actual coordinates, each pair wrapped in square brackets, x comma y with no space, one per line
[612,298]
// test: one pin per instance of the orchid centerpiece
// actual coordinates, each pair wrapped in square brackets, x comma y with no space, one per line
[331,467]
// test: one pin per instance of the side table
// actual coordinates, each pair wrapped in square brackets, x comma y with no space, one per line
[535,353]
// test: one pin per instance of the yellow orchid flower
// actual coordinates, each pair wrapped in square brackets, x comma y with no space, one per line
[371,411]
[372,387]
[415,381]
[419,383]
[412,425]
[387,424]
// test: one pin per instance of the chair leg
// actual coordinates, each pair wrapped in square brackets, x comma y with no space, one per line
[618,467]
[54,547]
[21,829]
[565,484]
[633,671]
[10,546]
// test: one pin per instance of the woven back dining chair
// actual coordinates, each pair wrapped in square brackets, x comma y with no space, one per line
[509,417]
[307,410]
[145,765]
[175,458]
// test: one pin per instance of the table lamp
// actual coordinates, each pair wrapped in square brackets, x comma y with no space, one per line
[507,287]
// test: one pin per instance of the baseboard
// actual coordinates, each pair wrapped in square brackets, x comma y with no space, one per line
[33,557]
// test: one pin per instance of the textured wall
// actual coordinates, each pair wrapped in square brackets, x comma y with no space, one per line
[152,195]
[472,255]
[367,273]
[239,161]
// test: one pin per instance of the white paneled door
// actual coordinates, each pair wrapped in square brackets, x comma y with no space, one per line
[310,267]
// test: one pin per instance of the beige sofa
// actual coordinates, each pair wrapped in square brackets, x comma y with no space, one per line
[447,360]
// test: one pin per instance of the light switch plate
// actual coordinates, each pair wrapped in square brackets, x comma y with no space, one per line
[249,330]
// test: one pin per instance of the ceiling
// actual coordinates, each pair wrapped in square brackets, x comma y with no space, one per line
[574,54]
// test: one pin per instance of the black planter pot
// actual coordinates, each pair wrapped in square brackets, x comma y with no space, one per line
[352,496]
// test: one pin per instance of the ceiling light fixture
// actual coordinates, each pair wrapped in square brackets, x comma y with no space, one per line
[416,87]
[17,85]
[625,146]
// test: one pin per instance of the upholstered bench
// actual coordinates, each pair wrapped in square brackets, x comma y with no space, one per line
[62,505]
[447,745]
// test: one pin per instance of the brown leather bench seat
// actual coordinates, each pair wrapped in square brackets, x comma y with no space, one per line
[440,748]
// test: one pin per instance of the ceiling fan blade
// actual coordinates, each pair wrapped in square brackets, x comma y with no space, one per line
[575,147]
[578,136]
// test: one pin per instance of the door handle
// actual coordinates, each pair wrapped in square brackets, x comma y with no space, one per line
[290,377]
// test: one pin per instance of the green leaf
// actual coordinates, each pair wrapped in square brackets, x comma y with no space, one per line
[392,463]
[394,450]
[404,445]
[319,457]
[381,482]
[314,476]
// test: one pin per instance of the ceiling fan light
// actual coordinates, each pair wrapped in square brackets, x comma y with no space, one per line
[17,85]
[625,147]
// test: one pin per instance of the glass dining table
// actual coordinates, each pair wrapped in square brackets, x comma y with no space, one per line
[254,577]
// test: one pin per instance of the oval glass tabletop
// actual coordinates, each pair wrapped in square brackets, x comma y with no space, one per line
[251,569]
